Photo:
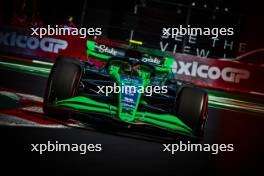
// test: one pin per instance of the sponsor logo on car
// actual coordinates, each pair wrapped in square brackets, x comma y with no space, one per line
[106,50]
[150,59]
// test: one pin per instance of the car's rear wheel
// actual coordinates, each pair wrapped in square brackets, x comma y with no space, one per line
[63,83]
[191,107]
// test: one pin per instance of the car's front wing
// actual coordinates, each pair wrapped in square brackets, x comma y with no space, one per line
[88,105]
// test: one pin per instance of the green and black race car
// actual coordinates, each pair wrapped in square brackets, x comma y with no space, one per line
[76,86]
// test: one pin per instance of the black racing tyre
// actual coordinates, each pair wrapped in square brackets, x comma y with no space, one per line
[63,83]
[191,107]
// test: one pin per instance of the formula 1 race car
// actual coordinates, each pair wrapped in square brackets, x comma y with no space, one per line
[77,86]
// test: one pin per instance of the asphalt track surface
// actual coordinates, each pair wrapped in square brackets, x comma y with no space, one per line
[126,155]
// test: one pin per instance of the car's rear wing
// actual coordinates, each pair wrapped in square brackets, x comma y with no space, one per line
[104,50]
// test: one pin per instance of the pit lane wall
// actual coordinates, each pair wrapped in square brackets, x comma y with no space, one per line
[205,72]
[219,74]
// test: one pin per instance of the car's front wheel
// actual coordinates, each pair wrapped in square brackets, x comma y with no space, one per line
[191,107]
[63,83]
